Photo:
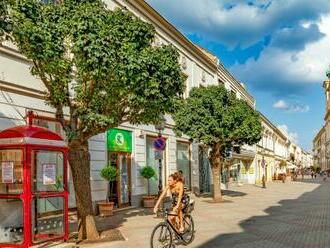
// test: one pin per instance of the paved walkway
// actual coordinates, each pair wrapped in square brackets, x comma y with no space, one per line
[290,215]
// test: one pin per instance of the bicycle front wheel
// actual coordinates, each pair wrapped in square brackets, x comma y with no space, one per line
[161,236]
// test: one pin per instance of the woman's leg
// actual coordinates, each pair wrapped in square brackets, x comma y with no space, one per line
[173,218]
[180,217]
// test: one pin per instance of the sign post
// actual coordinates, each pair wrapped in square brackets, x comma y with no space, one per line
[159,146]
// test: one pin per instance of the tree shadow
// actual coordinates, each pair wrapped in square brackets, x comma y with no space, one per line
[230,193]
[303,222]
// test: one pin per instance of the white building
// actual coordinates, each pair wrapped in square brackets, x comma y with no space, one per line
[20,92]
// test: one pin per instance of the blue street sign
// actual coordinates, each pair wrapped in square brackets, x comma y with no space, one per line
[160,144]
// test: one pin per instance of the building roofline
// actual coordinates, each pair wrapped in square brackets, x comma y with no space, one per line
[170,30]
[277,130]
[227,73]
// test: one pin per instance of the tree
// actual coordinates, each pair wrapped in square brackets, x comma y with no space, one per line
[148,172]
[100,70]
[109,173]
[5,21]
[215,118]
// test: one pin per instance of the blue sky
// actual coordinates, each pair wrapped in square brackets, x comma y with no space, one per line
[280,49]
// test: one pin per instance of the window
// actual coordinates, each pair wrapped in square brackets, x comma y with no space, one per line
[183,162]
[47,218]
[151,161]
[53,126]
[220,82]
[47,171]
[11,171]
[11,224]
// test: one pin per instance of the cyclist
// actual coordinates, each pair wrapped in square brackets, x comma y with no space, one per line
[179,198]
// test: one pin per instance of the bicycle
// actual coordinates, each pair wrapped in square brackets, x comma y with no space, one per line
[167,231]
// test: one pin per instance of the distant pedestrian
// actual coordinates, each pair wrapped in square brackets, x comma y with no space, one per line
[324,176]
[312,175]
[315,175]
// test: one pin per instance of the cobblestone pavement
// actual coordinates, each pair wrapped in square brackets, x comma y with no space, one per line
[289,215]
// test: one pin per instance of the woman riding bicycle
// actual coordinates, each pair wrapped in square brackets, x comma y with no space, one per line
[179,198]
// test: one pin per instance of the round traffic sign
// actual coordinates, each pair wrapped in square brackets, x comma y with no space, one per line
[160,144]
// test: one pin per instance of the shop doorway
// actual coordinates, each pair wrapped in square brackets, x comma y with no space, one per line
[121,193]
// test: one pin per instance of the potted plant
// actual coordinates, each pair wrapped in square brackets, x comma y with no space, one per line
[148,172]
[109,173]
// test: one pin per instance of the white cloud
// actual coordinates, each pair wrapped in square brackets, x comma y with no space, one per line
[234,22]
[280,104]
[286,72]
[292,108]
[293,136]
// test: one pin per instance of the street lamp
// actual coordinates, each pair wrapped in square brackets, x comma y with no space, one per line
[160,126]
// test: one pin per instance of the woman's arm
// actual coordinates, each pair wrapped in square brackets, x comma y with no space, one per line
[160,198]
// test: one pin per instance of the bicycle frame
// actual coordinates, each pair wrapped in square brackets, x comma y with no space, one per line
[166,220]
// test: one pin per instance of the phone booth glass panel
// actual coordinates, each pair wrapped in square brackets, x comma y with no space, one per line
[47,218]
[11,171]
[33,187]
[47,166]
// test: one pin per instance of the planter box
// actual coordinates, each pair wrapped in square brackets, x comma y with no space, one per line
[105,208]
[149,201]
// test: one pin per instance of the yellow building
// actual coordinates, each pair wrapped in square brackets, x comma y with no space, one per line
[272,152]
[321,142]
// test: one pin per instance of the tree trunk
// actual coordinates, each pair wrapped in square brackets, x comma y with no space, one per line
[79,160]
[215,161]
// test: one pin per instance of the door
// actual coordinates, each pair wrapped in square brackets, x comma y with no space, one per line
[121,193]
[48,203]
[183,162]
[124,180]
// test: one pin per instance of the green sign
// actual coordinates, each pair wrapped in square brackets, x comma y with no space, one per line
[119,140]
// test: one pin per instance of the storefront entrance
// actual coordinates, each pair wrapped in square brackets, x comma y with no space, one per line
[119,144]
[121,193]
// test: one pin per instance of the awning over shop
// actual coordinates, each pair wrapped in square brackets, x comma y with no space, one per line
[244,155]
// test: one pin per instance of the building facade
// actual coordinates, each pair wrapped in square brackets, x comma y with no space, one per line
[319,149]
[272,152]
[321,142]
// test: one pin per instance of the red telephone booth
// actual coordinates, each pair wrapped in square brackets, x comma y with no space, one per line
[33,187]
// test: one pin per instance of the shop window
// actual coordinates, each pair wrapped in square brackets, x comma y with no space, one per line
[53,126]
[183,162]
[47,218]
[151,161]
[11,224]
[47,171]
[11,171]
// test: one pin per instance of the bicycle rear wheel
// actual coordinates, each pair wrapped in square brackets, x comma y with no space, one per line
[161,236]
[189,232]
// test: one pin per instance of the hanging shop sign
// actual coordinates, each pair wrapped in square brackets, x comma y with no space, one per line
[119,140]
[7,172]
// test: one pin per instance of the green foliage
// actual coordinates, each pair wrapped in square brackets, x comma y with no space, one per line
[109,173]
[148,172]
[5,21]
[283,163]
[213,116]
[98,63]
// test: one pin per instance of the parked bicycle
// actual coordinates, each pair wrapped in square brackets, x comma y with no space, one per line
[166,233]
